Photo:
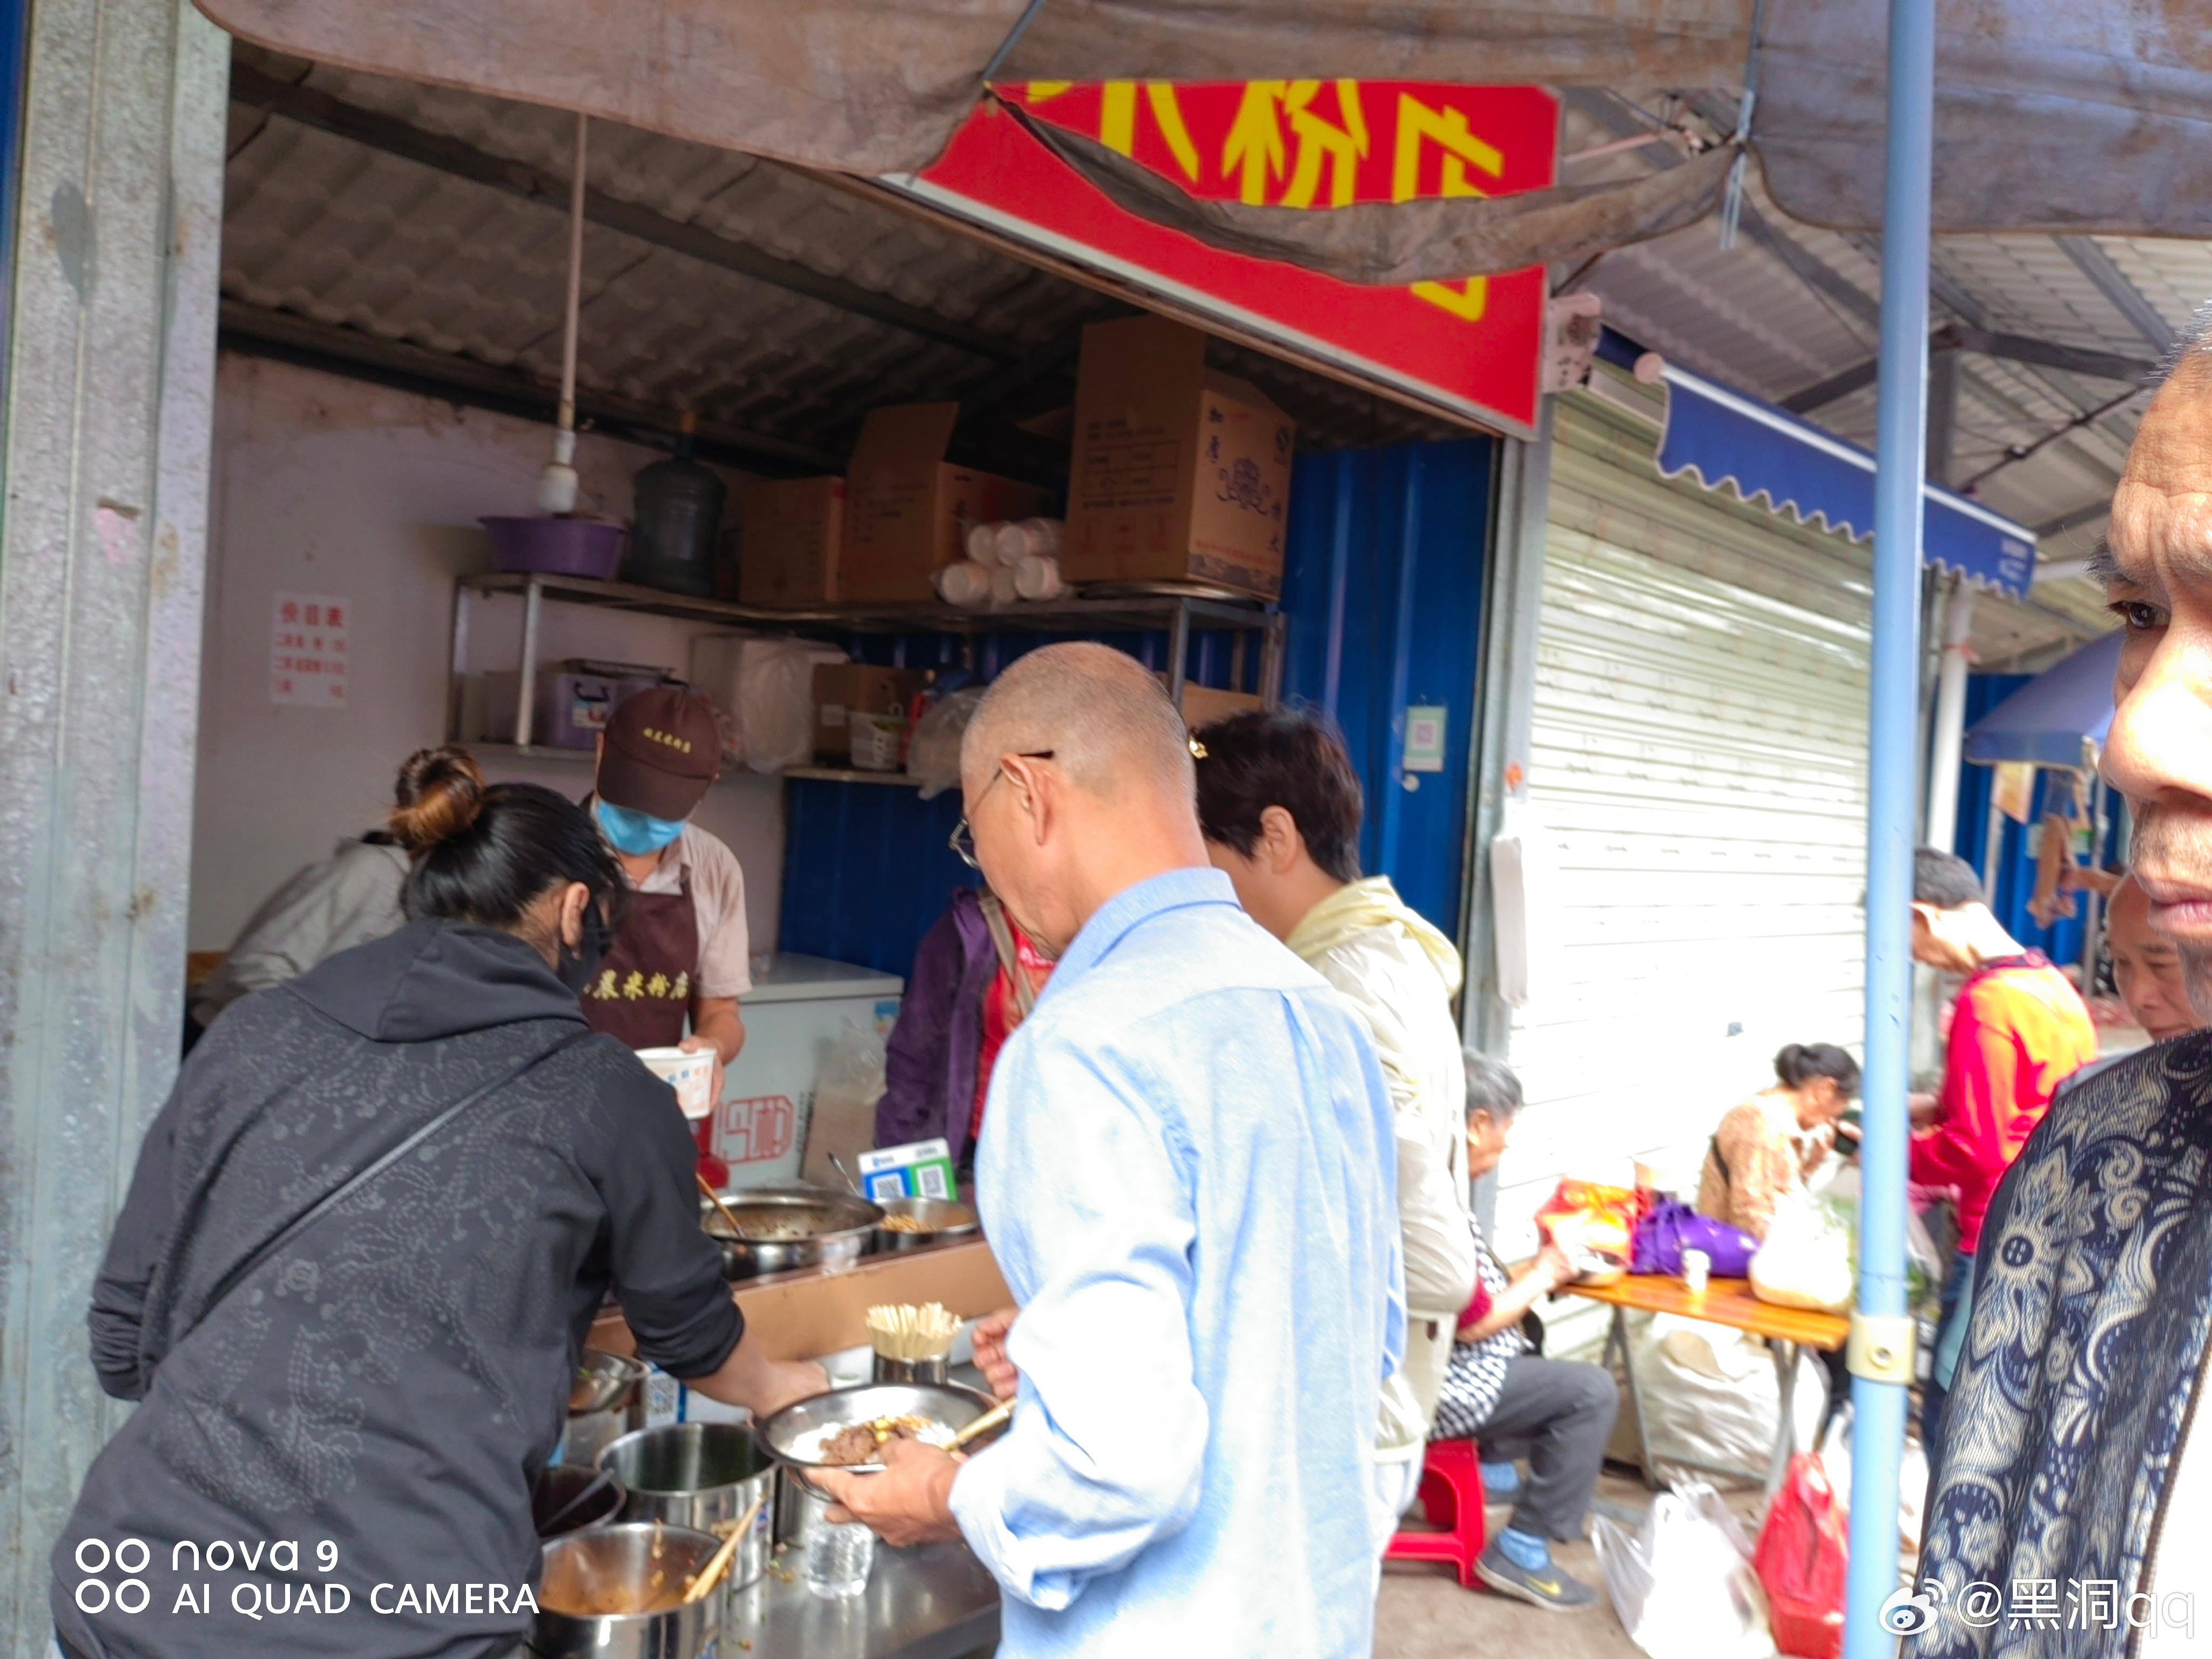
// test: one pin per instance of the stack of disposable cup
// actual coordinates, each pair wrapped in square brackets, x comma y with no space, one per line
[1003,590]
[966,584]
[982,543]
[1027,538]
[1037,577]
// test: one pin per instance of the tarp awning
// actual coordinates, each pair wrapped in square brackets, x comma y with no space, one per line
[1723,439]
[2050,115]
[2059,718]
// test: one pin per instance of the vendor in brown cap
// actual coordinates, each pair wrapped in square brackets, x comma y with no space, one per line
[681,949]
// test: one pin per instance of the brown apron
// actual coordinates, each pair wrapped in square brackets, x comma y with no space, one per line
[643,991]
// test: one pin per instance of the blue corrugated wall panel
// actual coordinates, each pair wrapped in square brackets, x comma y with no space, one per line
[1383,586]
[2061,940]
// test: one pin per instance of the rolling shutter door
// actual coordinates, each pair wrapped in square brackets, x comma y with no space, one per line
[1699,767]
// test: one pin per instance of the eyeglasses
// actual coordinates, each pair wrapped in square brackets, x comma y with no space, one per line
[962,841]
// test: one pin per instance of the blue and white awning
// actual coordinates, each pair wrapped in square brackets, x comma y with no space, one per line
[1766,456]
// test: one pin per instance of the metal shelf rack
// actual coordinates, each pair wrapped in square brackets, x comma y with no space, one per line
[1123,610]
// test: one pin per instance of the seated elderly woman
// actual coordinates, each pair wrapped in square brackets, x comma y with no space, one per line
[1556,1413]
[1775,1140]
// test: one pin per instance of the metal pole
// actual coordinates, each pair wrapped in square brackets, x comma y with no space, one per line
[1881,1346]
[1950,718]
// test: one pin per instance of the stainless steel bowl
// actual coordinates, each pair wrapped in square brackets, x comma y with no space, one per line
[609,1566]
[791,1434]
[940,1219]
[603,1382]
[789,1227]
[699,1475]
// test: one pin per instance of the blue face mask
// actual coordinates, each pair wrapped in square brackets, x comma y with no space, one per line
[634,833]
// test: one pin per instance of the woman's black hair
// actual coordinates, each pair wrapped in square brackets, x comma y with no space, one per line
[486,854]
[1287,757]
[1801,1062]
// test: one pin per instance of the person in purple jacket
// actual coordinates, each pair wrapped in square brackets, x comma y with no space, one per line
[975,979]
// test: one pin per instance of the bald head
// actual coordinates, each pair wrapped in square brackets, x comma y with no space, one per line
[1104,718]
[1076,775]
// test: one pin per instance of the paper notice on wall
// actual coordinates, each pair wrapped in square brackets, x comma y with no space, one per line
[2014,788]
[307,641]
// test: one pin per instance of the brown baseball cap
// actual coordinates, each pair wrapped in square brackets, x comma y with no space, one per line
[662,749]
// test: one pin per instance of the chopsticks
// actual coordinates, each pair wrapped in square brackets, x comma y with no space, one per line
[903,1331]
[715,1199]
[997,1417]
[718,1563]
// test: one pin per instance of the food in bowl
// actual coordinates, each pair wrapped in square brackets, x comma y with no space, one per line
[906,1224]
[857,1443]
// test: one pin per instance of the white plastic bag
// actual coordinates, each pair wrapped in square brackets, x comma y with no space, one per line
[843,1119]
[1911,1478]
[1682,1583]
[1807,1259]
[775,702]
[1710,1394]
[933,755]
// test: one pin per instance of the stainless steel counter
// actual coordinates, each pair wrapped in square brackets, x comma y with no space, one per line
[934,1602]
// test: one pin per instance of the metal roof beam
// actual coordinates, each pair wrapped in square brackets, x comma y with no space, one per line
[394,137]
[358,355]
[2112,283]
[2009,348]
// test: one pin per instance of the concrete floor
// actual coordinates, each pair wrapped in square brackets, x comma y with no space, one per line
[1423,1613]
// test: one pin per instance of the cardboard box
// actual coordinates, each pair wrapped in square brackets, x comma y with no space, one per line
[795,530]
[1203,704]
[908,509]
[1179,473]
[842,686]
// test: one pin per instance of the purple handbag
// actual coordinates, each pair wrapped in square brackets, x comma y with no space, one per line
[1670,1227]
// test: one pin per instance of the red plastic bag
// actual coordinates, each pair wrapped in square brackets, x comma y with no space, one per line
[1594,1226]
[1802,1552]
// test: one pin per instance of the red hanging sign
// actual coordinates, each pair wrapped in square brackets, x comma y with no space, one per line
[1472,346]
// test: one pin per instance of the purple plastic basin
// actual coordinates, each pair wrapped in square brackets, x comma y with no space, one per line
[557,547]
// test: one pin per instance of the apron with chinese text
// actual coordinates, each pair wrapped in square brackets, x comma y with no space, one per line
[642,991]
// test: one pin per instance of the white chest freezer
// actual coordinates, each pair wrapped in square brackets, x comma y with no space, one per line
[793,1015]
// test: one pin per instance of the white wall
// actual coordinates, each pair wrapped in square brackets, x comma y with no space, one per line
[327,485]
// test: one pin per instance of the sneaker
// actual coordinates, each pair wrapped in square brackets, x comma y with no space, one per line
[1500,1481]
[1550,1589]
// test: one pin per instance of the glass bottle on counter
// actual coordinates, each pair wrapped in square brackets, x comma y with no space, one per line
[834,1560]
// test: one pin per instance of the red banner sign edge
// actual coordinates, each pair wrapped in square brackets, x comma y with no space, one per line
[1365,370]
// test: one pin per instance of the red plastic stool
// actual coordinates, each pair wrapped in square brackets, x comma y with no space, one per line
[1451,1481]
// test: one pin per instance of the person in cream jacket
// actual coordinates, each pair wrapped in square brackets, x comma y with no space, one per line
[1280,806]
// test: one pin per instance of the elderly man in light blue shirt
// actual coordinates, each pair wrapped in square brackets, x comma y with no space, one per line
[1187,1174]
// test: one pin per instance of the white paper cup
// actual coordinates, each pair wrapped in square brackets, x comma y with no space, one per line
[1696,1268]
[690,1074]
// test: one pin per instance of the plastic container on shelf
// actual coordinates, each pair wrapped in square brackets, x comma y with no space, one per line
[557,547]
[878,740]
[677,522]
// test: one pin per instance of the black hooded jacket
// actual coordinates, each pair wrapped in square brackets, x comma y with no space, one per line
[383,1390]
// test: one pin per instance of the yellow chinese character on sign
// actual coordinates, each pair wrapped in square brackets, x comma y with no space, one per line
[682,990]
[1117,117]
[1254,151]
[1417,123]
[1340,148]
[1466,300]
[657,985]
[633,986]
[604,990]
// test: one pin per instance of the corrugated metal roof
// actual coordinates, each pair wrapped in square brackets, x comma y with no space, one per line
[327,227]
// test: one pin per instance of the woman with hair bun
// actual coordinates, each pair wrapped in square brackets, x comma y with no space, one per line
[365,1241]
[1779,1138]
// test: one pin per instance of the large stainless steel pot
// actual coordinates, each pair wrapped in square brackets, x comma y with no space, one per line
[789,1227]
[608,1567]
[699,1476]
[940,1220]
